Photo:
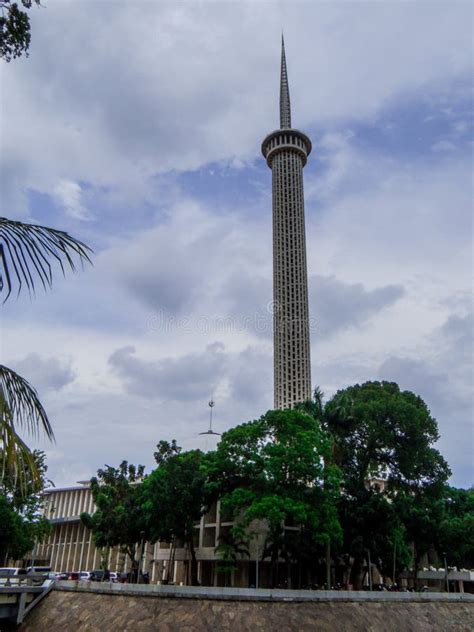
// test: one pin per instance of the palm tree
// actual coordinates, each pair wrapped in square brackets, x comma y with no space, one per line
[313,407]
[20,408]
[26,251]
[27,255]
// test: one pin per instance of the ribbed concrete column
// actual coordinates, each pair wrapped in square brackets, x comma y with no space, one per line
[286,152]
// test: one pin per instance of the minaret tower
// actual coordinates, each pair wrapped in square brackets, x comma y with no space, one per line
[286,151]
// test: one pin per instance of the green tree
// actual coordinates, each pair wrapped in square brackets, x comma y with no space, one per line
[21,520]
[372,526]
[380,431]
[15,539]
[26,496]
[456,527]
[15,36]
[118,519]
[421,514]
[228,551]
[278,469]
[175,498]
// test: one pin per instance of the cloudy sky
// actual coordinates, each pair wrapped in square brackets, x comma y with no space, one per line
[136,126]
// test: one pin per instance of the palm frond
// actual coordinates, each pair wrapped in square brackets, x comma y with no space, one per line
[26,251]
[20,405]
[17,462]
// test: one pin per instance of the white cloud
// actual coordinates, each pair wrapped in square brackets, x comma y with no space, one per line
[68,195]
[443,145]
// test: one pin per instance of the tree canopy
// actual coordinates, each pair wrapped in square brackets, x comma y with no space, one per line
[380,430]
[278,469]
[118,519]
[15,36]
[456,528]
[21,504]
[175,497]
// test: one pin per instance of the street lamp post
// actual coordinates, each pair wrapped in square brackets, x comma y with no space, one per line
[256,568]
[142,534]
[369,569]
[104,561]
[394,561]
[446,572]
[256,565]
[328,565]
[32,563]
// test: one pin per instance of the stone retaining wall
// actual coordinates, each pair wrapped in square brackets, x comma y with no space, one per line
[87,610]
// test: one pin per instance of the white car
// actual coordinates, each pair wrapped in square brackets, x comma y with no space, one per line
[12,571]
[38,570]
[7,573]
[11,575]
[84,576]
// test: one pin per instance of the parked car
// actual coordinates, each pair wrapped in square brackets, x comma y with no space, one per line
[12,571]
[62,576]
[8,573]
[100,576]
[131,578]
[85,576]
[38,574]
[114,577]
[38,570]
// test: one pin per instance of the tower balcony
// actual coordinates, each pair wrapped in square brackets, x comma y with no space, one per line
[286,139]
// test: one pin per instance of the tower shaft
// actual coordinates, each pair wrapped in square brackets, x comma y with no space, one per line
[286,151]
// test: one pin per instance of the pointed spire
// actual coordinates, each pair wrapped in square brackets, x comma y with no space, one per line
[285,109]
